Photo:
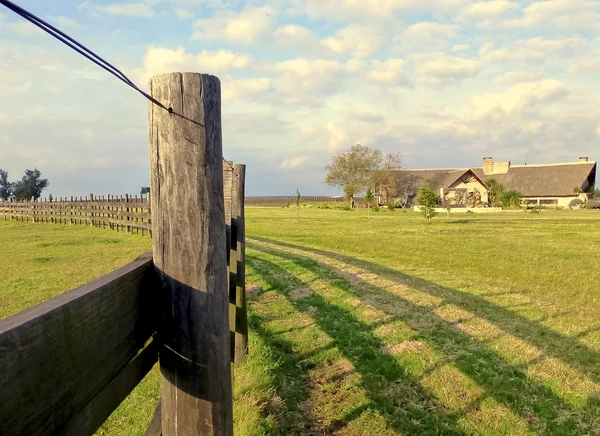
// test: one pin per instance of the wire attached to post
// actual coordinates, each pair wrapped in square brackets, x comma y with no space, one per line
[87,53]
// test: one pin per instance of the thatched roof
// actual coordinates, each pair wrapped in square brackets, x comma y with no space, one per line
[435,178]
[555,180]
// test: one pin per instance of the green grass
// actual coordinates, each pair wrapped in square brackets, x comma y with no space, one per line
[474,324]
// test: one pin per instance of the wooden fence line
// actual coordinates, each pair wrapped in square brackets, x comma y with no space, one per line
[127,213]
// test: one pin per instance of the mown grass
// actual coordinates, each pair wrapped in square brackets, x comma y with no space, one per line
[476,324]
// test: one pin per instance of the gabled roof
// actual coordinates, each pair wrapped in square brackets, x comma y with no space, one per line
[438,178]
[529,180]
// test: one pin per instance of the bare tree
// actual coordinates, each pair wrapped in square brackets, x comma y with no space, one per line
[386,179]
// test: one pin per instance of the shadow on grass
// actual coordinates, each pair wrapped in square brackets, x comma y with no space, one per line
[289,383]
[565,348]
[535,403]
[415,411]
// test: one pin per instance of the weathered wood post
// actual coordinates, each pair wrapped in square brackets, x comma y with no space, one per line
[189,253]
[238,236]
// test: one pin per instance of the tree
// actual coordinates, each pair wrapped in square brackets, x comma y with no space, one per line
[5,186]
[369,199]
[298,202]
[496,191]
[407,187]
[31,185]
[351,170]
[428,200]
[386,179]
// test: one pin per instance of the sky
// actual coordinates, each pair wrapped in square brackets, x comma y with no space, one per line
[443,83]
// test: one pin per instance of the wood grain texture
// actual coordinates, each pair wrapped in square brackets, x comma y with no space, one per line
[189,245]
[238,231]
[58,356]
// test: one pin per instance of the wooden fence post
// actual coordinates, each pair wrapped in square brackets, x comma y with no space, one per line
[188,241]
[227,184]
[238,236]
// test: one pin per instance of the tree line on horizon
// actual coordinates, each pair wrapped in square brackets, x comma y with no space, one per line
[30,186]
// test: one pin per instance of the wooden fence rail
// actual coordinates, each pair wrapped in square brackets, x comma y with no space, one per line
[126,213]
[66,364]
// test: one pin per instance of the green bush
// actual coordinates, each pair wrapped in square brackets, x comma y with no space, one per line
[375,209]
[391,205]
[536,209]
[348,208]
[510,200]
[593,204]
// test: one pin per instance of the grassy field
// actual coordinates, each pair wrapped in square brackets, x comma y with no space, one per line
[476,324]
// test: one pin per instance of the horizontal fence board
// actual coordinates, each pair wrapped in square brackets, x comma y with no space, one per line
[58,356]
[99,409]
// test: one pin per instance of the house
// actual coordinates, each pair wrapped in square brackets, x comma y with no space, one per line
[549,184]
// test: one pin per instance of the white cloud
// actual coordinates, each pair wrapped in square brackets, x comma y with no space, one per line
[342,10]
[62,21]
[588,64]
[293,33]
[338,137]
[429,30]
[354,65]
[184,14]
[560,13]
[126,9]
[442,67]
[294,36]
[365,117]
[294,162]
[487,9]
[243,28]
[533,49]
[236,89]
[517,98]
[457,48]
[160,60]
[512,77]
[386,72]
[356,39]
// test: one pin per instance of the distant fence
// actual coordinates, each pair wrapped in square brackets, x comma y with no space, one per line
[126,213]
[291,199]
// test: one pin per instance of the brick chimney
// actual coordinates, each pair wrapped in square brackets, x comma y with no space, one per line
[583,159]
[491,167]
[488,165]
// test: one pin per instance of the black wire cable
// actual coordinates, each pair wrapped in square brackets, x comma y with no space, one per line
[82,50]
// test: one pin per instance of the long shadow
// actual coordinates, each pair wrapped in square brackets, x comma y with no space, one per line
[565,348]
[417,412]
[537,404]
[289,377]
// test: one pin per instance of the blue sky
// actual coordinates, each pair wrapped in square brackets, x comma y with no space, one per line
[444,83]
